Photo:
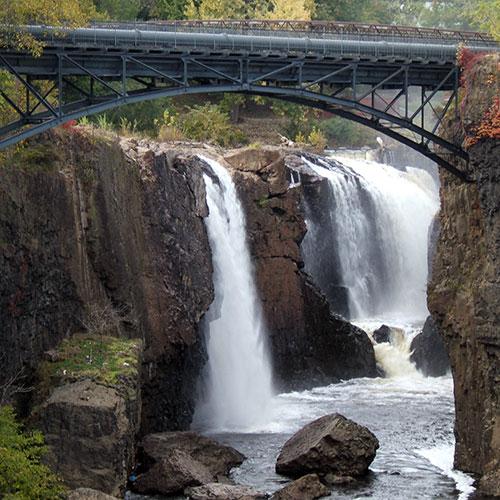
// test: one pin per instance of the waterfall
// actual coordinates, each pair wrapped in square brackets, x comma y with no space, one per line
[377,218]
[238,381]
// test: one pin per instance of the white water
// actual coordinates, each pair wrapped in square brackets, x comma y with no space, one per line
[411,415]
[381,216]
[238,379]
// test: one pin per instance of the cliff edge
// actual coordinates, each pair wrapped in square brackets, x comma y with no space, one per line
[464,293]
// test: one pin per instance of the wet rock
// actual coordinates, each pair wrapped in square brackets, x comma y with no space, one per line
[215,457]
[309,345]
[217,491]
[383,334]
[307,487]
[90,429]
[88,494]
[331,444]
[428,351]
[172,473]
[335,480]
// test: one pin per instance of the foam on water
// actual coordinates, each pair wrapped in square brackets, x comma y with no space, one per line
[442,457]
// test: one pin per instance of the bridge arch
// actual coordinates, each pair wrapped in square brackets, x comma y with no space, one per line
[328,70]
[344,108]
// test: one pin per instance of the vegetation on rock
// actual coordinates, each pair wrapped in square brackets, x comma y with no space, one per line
[103,359]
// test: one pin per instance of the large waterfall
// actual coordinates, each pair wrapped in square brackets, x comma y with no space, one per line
[238,381]
[368,232]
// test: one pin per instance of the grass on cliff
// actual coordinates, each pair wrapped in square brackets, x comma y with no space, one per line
[103,359]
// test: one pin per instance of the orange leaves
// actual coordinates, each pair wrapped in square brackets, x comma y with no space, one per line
[489,126]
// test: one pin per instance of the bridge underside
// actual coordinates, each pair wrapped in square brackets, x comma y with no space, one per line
[369,89]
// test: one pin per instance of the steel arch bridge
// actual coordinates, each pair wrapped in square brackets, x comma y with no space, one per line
[361,72]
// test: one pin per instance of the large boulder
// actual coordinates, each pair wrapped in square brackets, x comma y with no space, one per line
[217,491]
[330,444]
[174,472]
[428,351]
[90,429]
[173,461]
[305,488]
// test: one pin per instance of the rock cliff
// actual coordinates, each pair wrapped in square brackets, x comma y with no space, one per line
[108,227]
[464,294]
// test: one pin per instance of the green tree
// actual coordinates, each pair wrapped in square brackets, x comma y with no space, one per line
[15,13]
[22,475]
[487,16]
[121,10]
[169,9]
[292,10]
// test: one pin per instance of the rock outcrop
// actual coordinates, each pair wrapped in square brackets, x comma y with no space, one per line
[309,345]
[428,351]
[89,494]
[173,461]
[108,225]
[217,491]
[91,432]
[382,334]
[331,444]
[464,294]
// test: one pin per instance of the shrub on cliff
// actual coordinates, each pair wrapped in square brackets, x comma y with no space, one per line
[210,123]
[22,475]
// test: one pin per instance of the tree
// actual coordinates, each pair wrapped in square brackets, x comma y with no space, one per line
[169,9]
[291,10]
[118,9]
[487,16]
[15,13]
[22,475]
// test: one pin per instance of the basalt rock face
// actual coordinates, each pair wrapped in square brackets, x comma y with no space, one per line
[428,351]
[309,346]
[464,295]
[110,225]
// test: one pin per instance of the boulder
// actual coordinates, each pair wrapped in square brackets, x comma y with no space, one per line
[88,494]
[215,457]
[306,488]
[174,472]
[428,351]
[90,429]
[218,491]
[383,334]
[331,444]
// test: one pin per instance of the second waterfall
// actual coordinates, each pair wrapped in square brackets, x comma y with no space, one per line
[237,379]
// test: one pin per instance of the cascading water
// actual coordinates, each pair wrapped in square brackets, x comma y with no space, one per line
[238,380]
[379,217]
[412,416]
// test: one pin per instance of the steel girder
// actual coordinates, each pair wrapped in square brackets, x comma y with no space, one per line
[373,90]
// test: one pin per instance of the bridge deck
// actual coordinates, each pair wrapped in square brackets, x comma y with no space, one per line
[338,67]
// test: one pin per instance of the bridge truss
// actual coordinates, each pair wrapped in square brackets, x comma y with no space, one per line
[369,82]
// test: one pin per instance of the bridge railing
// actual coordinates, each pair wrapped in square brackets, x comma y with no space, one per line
[122,35]
[312,29]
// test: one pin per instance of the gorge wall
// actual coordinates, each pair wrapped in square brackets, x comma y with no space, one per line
[113,228]
[464,293]
[108,227]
